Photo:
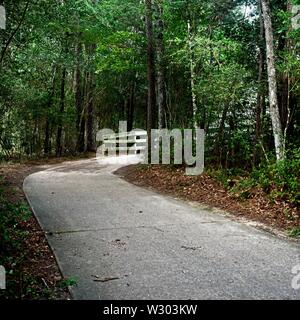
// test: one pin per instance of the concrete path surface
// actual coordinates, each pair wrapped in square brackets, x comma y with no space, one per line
[123,242]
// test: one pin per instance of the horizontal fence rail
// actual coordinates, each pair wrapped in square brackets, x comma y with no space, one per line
[133,142]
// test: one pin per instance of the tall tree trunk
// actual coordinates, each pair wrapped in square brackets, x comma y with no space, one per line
[273,98]
[61,112]
[192,74]
[161,77]
[151,107]
[286,98]
[80,122]
[90,100]
[130,106]
[220,137]
[284,82]
[261,90]
[90,135]
[47,148]
[47,137]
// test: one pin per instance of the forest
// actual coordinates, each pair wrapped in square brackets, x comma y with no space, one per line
[70,68]
[230,67]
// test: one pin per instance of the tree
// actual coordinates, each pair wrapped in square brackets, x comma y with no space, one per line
[161,76]
[151,105]
[273,98]
[192,71]
[174,64]
[260,93]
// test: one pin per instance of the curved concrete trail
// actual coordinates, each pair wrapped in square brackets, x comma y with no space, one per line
[124,242]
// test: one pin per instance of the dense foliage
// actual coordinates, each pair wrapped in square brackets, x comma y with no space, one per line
[71,67]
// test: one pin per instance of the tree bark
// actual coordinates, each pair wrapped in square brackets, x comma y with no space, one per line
[151,106]
[260,94]
[286,98]
[273,97]
[61,112]
[91,147]
[131,107]
[80,122]
[161,77]
[47,148]
[91,136]
[192,75]
[90,116]
[47,137]
[220,136]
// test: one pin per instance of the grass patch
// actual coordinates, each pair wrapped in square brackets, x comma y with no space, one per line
[68,282]
[294,233]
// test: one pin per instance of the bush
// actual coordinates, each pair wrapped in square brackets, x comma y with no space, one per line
[280,179]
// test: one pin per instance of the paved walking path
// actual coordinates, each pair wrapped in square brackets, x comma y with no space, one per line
[123,242]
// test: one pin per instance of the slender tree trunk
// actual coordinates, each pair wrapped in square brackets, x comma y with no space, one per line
[130,107]
[90,135]
[80,122]
[161,78]
[47,148]
[61,112]
[10,39]
[47,137]
[220,137]
[273,97]
[192,75]
[91,145]
[90,116]
[260,94]
[284,81]
[151,114]
[287,100]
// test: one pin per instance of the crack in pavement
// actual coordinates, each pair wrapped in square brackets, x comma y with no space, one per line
[157,228]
